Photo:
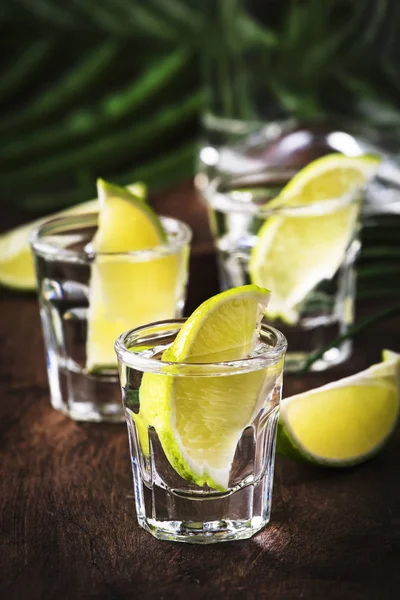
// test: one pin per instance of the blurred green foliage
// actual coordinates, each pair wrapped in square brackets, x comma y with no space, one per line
[112,87]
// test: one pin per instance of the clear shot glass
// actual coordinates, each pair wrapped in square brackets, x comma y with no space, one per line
[170,405]
[87,299]
[238,210]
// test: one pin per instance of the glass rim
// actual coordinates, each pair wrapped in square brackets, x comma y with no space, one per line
[128,356]
[218,198]
[45,248]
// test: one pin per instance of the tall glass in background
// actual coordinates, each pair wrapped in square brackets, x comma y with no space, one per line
[86,299]
[168,505]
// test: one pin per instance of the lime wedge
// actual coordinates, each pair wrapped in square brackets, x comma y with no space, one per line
[16,263]
[127,293]
[296,250]
[345,422]
[199,420]
[389,355]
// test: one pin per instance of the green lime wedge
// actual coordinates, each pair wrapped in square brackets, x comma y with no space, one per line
[199,420]
[296,250]
[126,293]
[16,263]
[345,422]
[389,355]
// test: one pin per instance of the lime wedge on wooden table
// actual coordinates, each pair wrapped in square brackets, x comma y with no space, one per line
[126,293]
[345,422]
[297,250]
[16,263]
[199,420]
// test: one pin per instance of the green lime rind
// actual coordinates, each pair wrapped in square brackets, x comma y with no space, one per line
[134,197]
[286,447]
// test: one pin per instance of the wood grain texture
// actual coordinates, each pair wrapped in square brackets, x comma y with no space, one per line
[67,517]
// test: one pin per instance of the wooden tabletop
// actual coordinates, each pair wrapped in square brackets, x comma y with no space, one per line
[67,517]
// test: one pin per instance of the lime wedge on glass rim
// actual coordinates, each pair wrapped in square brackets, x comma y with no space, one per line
[126,293]
[16,262]
[199,420]
[296,249]
[345,422]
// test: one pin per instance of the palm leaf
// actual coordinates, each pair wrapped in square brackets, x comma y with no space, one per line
[107,151]
[66,90]
[24,66]
[91,121]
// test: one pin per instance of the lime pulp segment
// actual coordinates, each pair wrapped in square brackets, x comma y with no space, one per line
[126,292]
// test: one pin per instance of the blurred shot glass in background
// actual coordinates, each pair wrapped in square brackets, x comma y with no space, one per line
[88,298]
[303,252]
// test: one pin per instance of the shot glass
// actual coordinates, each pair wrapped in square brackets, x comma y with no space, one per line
[87,299]
[239,208]
[172,503]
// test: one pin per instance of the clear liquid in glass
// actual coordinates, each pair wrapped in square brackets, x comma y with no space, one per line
[173,508]
[326,312]
[64,306]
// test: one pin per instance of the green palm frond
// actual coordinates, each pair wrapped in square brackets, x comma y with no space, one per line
[65,90]
[81,123]
[24,66]
[49,10]
[79,75]
[105,152]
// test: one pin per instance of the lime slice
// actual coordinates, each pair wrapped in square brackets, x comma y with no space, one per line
[16,263]
[342,423]
[296,250]
[199,420]
[127,293]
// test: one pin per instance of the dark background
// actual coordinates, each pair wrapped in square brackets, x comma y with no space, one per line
[112,88]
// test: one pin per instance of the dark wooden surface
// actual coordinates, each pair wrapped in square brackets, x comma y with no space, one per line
[67,517]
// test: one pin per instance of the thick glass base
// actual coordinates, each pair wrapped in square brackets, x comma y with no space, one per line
[211,532]
[84,397]
[93,413]
[206,516]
